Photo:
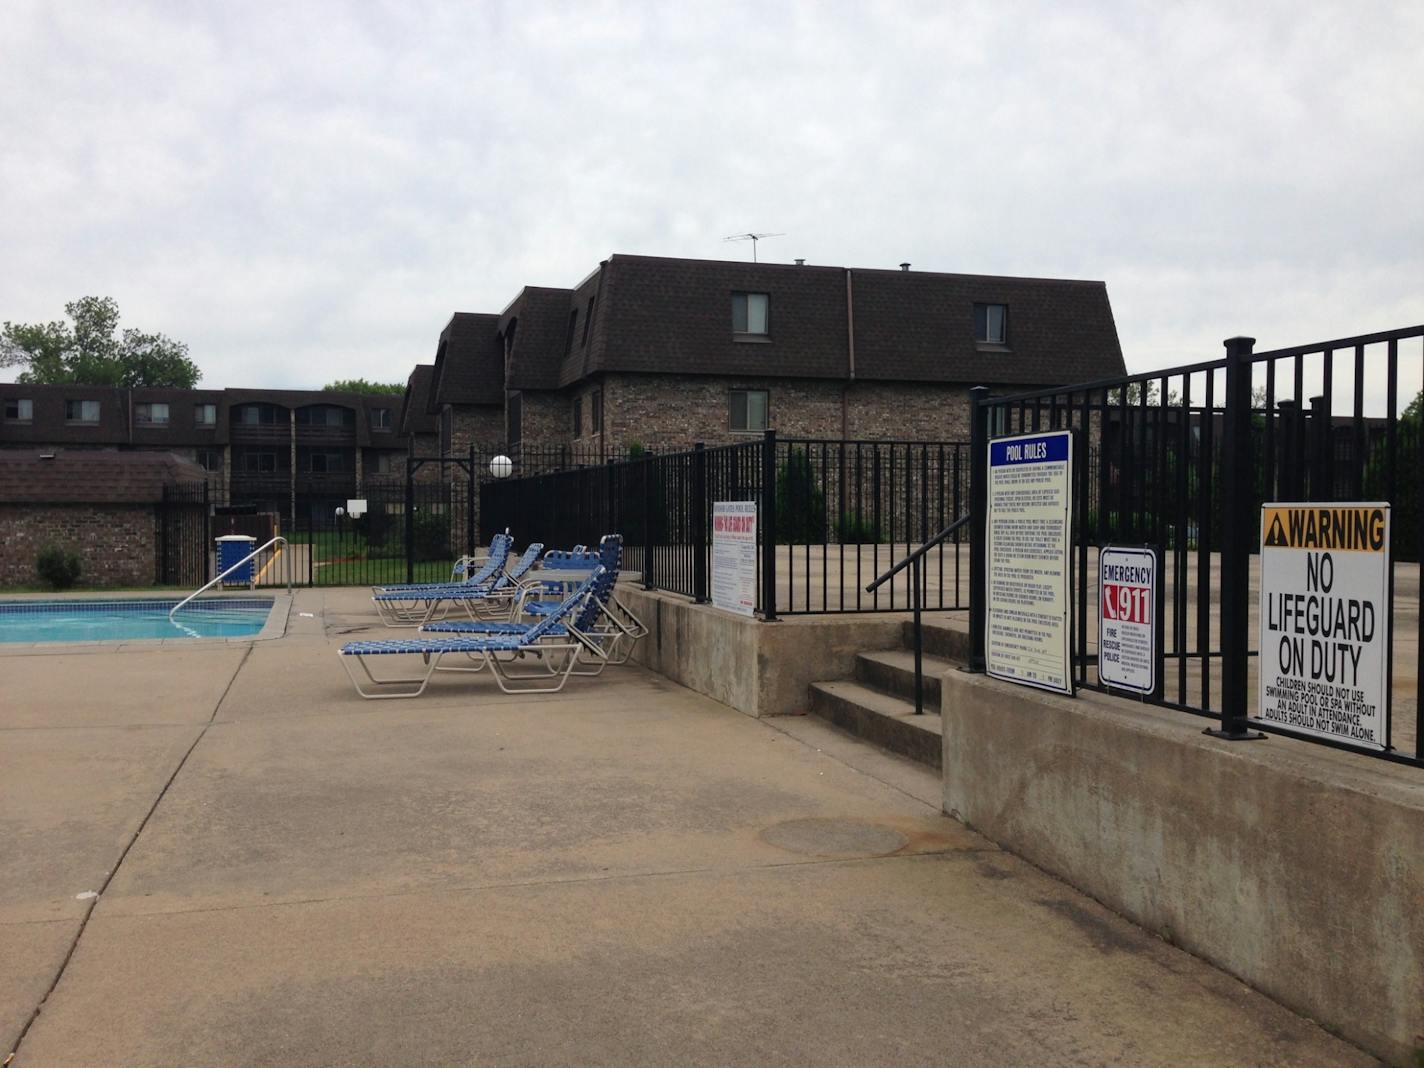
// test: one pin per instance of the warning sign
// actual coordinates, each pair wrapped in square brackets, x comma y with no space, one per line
[1127,618]
[1325,626]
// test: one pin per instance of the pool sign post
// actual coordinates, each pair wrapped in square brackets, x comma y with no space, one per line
[1325,621]
[1026,626]
[734,549]
[1129,619]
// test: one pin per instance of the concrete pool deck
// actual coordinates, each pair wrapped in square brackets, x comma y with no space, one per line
[624,873]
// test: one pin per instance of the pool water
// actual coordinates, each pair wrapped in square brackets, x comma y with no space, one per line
[130,620]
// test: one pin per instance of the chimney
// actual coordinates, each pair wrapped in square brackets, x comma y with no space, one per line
[800,263]
[904,266]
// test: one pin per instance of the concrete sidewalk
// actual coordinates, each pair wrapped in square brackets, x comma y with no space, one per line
[626,873]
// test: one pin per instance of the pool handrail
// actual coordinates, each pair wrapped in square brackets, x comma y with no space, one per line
[260,549]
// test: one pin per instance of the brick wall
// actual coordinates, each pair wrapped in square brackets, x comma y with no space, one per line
[479,425]
[547,418]
[901,411]
[657,411]
[116,542]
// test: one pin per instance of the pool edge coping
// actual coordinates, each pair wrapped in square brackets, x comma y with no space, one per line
[275,627]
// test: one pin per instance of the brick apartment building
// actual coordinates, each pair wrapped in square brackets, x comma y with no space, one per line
[660,351]
[259,446]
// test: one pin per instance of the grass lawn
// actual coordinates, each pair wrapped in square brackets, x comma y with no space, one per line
[378,572]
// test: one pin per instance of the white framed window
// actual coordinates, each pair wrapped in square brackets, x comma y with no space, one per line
[747,410]
[751,314]
[205,415]
[211,459]
[19,410]
[381,419]
[991,324]
[151,414]
[81,411]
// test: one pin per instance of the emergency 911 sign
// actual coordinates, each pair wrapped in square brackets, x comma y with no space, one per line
[1127,618]
[1325,626]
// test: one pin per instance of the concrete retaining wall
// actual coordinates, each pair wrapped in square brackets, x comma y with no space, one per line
[762,669]
[1297,868]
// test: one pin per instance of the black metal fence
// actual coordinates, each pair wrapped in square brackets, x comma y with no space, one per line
[183,547]
[1184,458]
[832,515]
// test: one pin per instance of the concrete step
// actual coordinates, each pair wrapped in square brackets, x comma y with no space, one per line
[881,718]
[944,637]
[894,672]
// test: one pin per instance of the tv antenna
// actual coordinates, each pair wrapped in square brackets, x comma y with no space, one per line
[753,238]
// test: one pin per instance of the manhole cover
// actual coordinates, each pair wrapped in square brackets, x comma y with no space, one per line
[834,838]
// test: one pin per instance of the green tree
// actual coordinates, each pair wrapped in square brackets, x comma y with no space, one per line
[361,385]
[89,350]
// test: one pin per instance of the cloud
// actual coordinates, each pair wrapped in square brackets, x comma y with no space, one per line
[305,192]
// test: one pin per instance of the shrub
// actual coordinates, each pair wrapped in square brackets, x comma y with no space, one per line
[853,529]
[800,502]
[432,536]
[59,567]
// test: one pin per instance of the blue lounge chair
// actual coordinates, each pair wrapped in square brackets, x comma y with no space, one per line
[411,606]
[607,630]
[557,650]
[462,572]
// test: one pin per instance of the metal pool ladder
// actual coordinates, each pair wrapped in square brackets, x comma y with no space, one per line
[260,549]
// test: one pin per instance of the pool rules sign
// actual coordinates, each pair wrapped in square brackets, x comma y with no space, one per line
[1030,497]
[1325,626]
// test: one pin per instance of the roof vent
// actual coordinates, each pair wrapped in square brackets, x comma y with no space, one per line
[800,263]
[904,266]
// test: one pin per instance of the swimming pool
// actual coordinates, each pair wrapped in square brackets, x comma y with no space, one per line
[131,620]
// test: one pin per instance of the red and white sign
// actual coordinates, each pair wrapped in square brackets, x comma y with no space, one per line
[1127,618]
[734,549]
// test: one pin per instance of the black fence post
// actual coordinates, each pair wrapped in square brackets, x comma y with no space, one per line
[647,466]
[409,521]
[978,526]
[1239,521]
[470,483]
[1290,459]
[768,526]
[699,523]
[1322,478]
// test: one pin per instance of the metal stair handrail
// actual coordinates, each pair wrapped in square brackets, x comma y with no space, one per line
[915,560]
[260,549]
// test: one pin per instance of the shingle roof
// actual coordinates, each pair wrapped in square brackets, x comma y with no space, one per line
[919,326]
[469,361]
[416,416]
[86,476]
[539,317]
[662,315]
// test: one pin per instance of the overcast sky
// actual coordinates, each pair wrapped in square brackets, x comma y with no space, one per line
[307,191]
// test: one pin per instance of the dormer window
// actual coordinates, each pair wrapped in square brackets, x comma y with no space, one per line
[151,414]
[83,412]
[382,419]
[587,319]
[991,324]
[19,410]
[751,315]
